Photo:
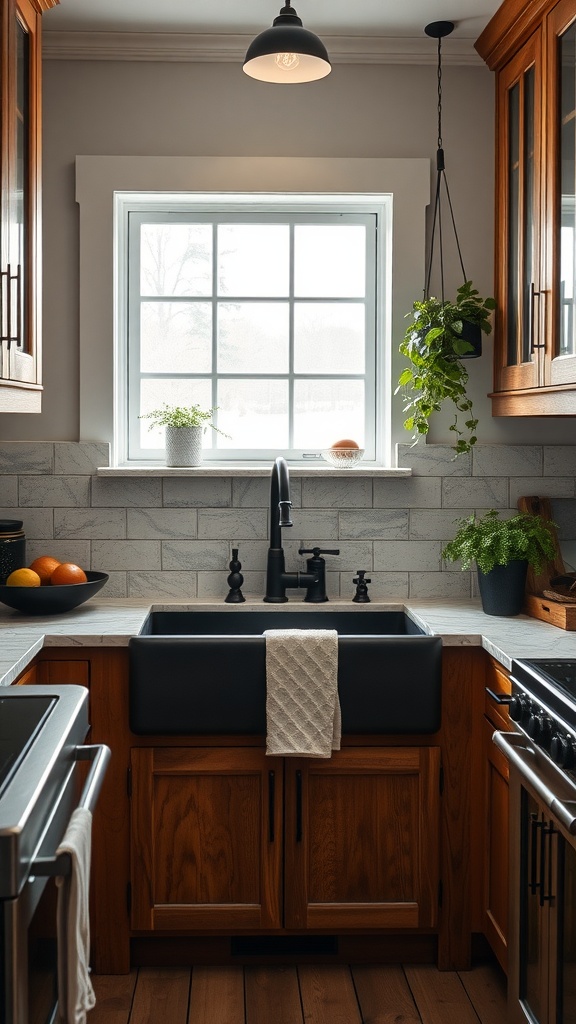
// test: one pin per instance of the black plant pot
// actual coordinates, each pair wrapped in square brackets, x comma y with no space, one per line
[502,589]
[472,333]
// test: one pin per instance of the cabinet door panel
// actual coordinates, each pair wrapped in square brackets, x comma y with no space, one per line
[519,321]
[362,839]
[561,201]
[21,209]
[206,839]
[496,848]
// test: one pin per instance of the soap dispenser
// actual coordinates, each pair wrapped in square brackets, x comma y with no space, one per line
[316,592]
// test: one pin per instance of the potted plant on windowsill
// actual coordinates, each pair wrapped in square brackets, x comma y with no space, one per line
[185,426]
[440,336]
[502,550]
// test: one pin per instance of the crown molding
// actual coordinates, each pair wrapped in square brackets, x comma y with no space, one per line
[182,47]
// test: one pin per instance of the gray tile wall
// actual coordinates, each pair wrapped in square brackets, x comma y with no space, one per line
[172,537]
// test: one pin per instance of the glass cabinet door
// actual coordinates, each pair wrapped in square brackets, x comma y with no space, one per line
[23,199]
[519,333]
[561,243]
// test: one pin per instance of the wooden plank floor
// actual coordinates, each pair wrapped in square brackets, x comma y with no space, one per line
[311,994]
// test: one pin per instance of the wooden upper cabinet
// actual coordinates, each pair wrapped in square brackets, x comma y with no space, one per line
[20,256]
[530,46]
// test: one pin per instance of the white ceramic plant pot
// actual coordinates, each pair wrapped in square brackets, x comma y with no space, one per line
[184,446]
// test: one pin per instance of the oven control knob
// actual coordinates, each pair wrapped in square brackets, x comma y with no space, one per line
[562,750]
[539,727]
[518,707]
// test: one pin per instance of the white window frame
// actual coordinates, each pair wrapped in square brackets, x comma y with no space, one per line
[377,300]
[99,181]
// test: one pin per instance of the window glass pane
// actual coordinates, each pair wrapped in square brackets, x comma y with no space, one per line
[513,322]
[330,260]
[253,259]
[176,259]
[253,337]
[254,413]
[176,337]
[567,211]
[326,411]
[329,337]
[153,395]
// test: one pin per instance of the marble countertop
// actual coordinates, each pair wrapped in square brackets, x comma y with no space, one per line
[109,622]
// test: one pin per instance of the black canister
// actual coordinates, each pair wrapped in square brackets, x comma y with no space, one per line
[12,547]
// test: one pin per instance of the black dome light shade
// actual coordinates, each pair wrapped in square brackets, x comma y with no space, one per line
[287,53]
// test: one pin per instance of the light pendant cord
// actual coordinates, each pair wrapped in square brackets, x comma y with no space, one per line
[440,177]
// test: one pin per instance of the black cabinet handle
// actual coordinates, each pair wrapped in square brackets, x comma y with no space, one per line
[535,825]
[18,338]
[546,834]
[531,333]
[271,805]
[8,336]
[500,698]
[298,807]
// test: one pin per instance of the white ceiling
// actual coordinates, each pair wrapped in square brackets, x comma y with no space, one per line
[344,18]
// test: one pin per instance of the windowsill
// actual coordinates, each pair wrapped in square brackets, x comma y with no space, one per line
[249,470]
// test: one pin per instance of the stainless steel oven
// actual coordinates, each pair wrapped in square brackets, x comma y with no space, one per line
[542,759]
[41,747]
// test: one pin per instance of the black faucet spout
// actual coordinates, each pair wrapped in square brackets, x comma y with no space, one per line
[280,503]
[277,579]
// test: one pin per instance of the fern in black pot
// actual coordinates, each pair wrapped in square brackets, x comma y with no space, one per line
[502,550]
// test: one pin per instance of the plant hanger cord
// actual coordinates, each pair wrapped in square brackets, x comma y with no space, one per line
[438,30]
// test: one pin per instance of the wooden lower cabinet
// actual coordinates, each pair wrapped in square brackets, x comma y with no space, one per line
[206,848]
[228,838]
[496,849]
[496,817]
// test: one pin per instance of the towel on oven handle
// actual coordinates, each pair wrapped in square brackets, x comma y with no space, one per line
[75,992]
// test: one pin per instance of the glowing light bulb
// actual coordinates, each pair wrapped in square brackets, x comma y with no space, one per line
[287,61]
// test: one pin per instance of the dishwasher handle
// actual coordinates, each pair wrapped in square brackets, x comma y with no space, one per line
[522,758]
[99,754]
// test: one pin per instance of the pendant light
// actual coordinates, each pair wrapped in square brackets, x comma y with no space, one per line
[438,30]
[287,53]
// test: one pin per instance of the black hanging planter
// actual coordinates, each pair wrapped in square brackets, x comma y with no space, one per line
[472,333]
[502,589]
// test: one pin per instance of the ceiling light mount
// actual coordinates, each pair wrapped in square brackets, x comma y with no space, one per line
[287,52]
[439,29]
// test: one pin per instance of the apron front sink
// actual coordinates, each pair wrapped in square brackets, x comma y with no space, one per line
[204,673]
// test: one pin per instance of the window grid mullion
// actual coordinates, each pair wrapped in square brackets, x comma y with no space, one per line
[291,341]
[215,317]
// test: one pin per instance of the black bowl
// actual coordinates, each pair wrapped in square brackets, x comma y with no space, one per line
[51,600]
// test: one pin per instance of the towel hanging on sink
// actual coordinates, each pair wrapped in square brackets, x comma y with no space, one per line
[302,706]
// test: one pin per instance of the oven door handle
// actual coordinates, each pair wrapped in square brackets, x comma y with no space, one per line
[522,758]
[99,754]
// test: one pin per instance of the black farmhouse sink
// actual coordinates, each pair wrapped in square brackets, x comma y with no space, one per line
[202,673]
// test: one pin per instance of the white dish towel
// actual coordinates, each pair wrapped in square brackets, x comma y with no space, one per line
[302,706]
[75,992]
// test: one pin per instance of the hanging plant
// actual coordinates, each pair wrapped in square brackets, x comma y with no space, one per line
[435,346]
[442,333]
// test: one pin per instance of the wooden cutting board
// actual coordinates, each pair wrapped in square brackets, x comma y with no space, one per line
[537,603]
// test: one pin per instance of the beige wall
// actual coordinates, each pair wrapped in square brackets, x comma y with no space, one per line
[145,108]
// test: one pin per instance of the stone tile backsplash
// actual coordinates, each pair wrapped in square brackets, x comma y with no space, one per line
[172,537]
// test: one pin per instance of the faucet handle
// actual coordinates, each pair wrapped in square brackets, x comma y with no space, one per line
[361,595]
[318,551]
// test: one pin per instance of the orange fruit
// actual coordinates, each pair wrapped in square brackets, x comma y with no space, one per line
[346,443]
[23,578]
[67,572]
[44,566]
